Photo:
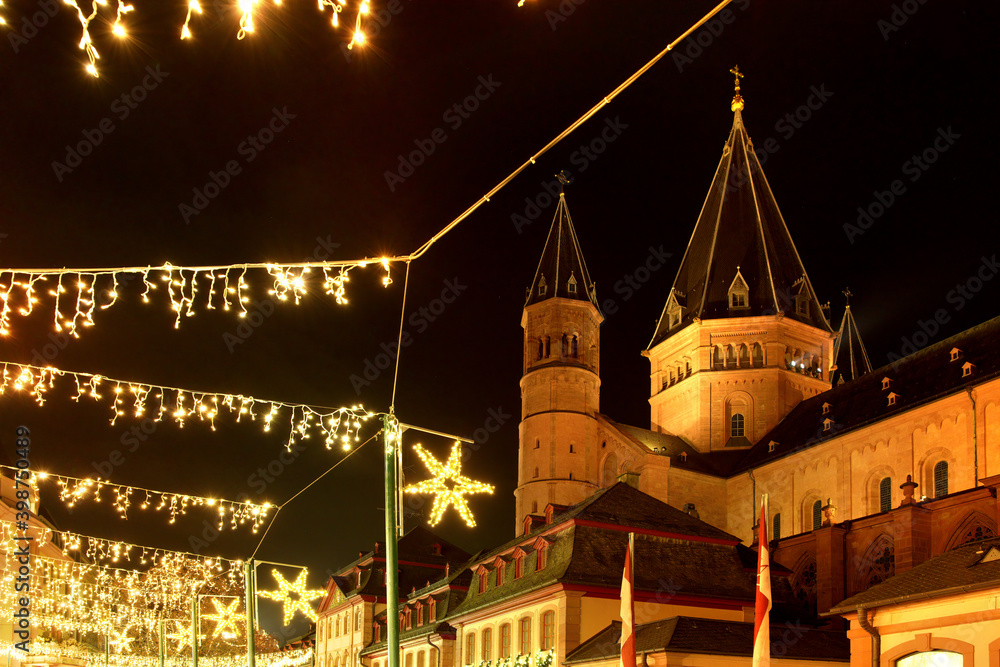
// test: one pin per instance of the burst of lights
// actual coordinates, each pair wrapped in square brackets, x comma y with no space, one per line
[448,485]
[293,595]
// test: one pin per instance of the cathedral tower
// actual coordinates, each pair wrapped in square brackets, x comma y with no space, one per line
[743,337]
[560,385]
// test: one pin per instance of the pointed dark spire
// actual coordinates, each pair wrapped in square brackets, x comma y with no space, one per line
[849,356]
[561,271]
[740,225]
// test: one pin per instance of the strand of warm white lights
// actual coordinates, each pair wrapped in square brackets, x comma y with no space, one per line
[97,549]
[75,489]
[187,288]
[95,657]
[247,7]
[85,597]
[335,424]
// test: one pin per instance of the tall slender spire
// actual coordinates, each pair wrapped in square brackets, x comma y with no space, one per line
[741,260]
[849,356]
[561,271]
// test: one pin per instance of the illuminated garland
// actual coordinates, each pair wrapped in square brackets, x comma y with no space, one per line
[448,485]
[247,7]
[334,424]
[74,489]
[187,287]
[93,657]
[293,595]
[97,549]
[85,597]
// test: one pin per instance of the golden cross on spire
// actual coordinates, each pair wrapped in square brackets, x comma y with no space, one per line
[848,294]
[737,104]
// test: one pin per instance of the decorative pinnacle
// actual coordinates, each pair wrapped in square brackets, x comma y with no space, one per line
[737,104]
[564,179]
[848,294]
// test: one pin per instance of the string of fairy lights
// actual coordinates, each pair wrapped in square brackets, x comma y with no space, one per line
[73,490]
[78,294]
[159,402]
[59,652]
[248,9]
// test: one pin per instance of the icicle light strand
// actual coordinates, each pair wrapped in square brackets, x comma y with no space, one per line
[158,402]
[76,294]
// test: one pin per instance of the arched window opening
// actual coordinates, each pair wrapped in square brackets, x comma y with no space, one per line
[541,349]
[776,527]
[574,347]
[610,470]
[486,653]
[737,426]
[817,514]
[548,346]
[717,357]
[758,355]
[548,635]
[941,479]
[885,495]
[505,640]
[932,659]
[565,345]
[525,631]
[536,472]
[687,369]
[470,648]
[744,356]
[730,357]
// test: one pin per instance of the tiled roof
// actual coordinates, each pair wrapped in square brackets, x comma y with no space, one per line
[740,232]
[952,572]
[562,264]
[922,376]
[683,634]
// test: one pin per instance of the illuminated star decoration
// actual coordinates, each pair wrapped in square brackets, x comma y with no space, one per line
[226,617]
[181,635]
[448,485]
[121,641]
[294,596]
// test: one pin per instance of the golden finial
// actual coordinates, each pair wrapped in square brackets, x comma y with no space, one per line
[737,104]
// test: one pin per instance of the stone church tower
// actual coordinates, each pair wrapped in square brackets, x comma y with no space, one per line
[560,385]
[742,338]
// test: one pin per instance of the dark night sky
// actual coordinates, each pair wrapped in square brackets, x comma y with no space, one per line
[887,98]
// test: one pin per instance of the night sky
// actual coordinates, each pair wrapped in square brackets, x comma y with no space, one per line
[848,93]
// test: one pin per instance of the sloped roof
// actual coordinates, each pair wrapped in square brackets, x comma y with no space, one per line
[925,375]
[849,352]
[955,571]
[684,634]
[740,230]
[667,444]
[561,263]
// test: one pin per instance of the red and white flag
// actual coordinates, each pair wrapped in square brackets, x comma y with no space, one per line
[628,608]
[762,608]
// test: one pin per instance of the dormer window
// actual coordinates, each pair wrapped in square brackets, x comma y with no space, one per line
[826,408]
[892,397]
[886,383]
[827,424]
[432,609]
[420,614]
[684,456]
[674,312]
[571,284]
[435,549]
[956,354]
[542,286]
[739,292]
[802,300]
[967,368]
[771,445]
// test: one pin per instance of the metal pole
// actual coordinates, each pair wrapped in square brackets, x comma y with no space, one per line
[161,642]
[251,595]
[194,630]
[107,649]
[391,430]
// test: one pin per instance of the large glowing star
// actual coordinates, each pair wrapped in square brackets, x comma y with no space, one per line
[121,641]
[181,635]
[294,596]
[449,485]
[226,617]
